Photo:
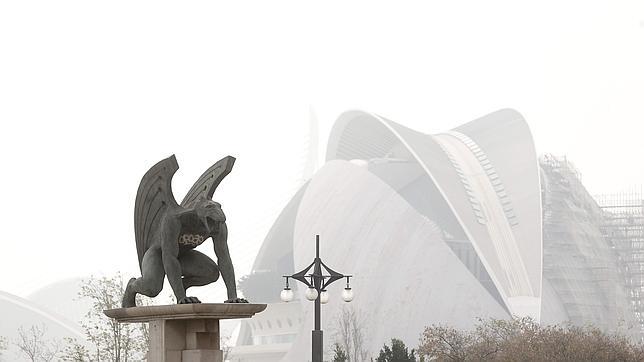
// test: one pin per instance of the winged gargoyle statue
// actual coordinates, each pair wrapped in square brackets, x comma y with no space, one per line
[166,234]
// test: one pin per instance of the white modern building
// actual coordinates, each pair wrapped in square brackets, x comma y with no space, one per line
[443,228]
[50,309]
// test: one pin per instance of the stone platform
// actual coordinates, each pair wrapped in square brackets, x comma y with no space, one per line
[185,332]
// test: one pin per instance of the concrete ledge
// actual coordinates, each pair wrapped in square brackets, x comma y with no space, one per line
[185,311]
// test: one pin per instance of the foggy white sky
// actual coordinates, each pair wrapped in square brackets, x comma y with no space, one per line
[93,93]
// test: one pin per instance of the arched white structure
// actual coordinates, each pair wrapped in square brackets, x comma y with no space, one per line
[19,312]
[486,173]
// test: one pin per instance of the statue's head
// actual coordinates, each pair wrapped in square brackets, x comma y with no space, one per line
[210,213]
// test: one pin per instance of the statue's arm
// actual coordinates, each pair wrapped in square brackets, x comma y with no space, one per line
[170,254]
[225,264]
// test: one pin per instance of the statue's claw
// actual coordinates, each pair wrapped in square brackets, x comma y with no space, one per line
[188,300]
[236,300]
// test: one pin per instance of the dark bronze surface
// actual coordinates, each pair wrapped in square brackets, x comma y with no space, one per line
[166,234]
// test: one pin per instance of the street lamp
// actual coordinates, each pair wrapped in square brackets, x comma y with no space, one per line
[316,283]
[347,293]
[287,294]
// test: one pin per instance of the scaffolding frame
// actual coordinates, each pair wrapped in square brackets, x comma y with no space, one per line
[578,262]
[623,228]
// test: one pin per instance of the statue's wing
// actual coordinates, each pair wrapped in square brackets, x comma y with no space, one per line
[206,185]
[153,199]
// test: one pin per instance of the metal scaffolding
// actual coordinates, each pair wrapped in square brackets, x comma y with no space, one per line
[578,262]
[623,228]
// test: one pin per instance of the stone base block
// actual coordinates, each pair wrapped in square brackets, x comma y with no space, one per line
[202,355]
[186,332]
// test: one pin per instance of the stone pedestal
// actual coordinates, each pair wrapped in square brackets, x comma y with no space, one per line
[185,332]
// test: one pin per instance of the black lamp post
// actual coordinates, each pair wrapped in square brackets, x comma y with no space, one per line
[317,283]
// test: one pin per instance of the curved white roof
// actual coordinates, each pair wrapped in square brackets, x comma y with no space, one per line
[486,172]
[18,312]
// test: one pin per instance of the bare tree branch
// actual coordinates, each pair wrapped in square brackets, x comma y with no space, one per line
[111,341]
[350,335]
[523,339]
[33,344]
